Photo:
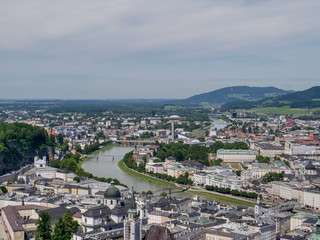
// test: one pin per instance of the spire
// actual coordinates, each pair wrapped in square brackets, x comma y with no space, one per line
[133,207]
[257,208]
[133,202]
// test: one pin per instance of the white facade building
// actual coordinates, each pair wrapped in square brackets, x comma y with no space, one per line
[199,178]
[38,162]
[223,181]
[299,149]
[231,155]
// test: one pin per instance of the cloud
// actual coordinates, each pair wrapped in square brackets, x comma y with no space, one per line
[147,42]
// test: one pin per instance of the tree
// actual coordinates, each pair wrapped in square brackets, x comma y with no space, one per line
[216,146]
[77,179]
[58,232]
[52,139]
[3,189]
[43,226]
[60,138]
[272,176]
[262,159]
[149,192]
[65,227]
[21,181]
[217,162]
[78,149]
[69,224]
[163,194]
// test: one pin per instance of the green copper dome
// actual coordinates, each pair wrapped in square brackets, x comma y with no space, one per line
[112,192]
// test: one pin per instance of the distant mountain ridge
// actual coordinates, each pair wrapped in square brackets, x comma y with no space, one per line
[309,98]
[236,93]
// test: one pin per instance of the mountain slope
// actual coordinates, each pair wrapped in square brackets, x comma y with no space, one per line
[236,93]
[309,98]
[19,144]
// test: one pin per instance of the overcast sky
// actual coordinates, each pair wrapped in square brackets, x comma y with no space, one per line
[102,49]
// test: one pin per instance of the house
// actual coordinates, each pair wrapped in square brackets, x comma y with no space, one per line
[155,167]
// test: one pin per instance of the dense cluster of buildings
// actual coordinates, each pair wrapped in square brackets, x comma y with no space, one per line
[287,209]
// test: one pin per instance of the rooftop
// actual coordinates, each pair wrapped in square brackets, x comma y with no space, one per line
[235,151]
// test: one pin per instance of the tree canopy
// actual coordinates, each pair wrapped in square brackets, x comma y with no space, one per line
[184,151]
[44,226]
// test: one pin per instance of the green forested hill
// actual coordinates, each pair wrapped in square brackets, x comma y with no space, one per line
[235,93]
[19,143]
[309,98]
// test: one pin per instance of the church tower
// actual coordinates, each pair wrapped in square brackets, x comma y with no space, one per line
[257,207]
[132,224]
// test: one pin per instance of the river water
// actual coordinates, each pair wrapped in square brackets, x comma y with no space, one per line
[218,124]
[105,164]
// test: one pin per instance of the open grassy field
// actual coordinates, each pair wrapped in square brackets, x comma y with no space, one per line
[127,170]
[223,198]
[232,165]
[280,110]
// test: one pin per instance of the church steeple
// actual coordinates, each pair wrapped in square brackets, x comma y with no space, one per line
[132,224]
[257,208]
[132,212]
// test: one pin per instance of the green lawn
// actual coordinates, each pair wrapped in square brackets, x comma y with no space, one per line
[223,199]
[127,170]
[280,110]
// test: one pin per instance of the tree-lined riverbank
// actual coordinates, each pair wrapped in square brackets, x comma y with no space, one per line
[196,191]
[144,177]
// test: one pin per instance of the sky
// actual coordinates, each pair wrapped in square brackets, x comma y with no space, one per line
[112,49]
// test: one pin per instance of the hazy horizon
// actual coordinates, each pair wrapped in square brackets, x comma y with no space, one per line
[155,50]
[124,99]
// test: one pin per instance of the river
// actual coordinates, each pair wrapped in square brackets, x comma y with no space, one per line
[105,164]
[218,124]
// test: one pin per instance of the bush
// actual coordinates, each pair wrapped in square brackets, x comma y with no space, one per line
[3,189]
[232,192]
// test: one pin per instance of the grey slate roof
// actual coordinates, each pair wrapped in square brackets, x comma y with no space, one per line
[97,211]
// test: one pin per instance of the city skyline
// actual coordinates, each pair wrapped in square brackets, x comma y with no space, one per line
[143,50]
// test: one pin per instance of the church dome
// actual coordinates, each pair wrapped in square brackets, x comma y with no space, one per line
[112,192]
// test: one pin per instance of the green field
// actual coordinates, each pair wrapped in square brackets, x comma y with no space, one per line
[127,170]
[238,96]
[223,199]
[280,110]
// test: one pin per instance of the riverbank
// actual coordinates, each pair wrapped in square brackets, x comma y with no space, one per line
[217,123]
[215,196]
[144,177]
[227,199]
[83,159]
